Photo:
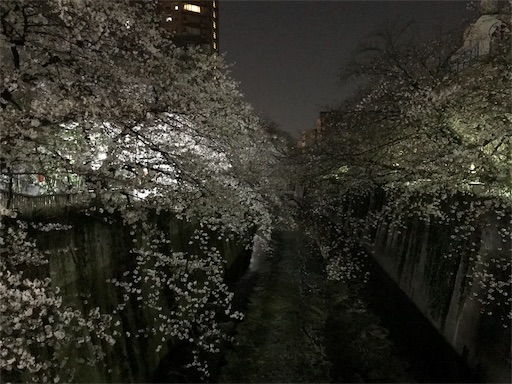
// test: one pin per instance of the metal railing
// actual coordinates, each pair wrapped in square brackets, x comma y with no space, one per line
[29,205]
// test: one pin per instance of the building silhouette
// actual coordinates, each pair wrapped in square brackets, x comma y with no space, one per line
[488,36]
[324,121]
[192,22]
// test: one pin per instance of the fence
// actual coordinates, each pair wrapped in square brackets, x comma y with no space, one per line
[30,205]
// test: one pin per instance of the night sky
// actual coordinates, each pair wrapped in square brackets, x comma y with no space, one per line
[286,54]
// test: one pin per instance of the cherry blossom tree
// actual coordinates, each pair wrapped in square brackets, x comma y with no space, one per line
[420,121]
[97,99]
[418,139]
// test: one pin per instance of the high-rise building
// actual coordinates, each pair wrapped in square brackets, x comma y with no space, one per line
[192,22]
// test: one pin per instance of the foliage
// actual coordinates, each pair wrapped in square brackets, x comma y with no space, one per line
[97,99]
[421,142]
[421,124]
[36,324]
[184,290]
[96,91]
[344,258]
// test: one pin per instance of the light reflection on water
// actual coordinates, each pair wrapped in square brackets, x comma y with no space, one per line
[257,253]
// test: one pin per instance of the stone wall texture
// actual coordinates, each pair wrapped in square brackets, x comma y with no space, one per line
[93,251]
[446,291]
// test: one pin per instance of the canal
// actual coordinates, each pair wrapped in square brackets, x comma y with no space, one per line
[299,327]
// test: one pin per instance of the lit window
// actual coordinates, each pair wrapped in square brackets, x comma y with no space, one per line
[192,8]
[214,24]
[214,45]
[214,35]
[214,14]
[176,7]
[168,19]
[214,4]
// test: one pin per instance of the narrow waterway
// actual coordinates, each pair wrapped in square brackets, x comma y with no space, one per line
[301,328]
[281,337]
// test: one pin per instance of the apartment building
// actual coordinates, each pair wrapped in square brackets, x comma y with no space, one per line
[192,22]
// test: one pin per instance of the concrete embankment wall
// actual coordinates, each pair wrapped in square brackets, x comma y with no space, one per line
[453,291]
[92,251]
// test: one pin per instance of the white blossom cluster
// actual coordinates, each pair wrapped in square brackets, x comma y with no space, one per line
[466,218]
[98,102]
[35,325]
[463,220]
[48,227]
[193,282]
[123,116]
[17,247]
[491,281]
[345,260]
[489,276]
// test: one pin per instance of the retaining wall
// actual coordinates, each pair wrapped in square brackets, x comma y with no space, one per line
[92,251]
[445,289]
